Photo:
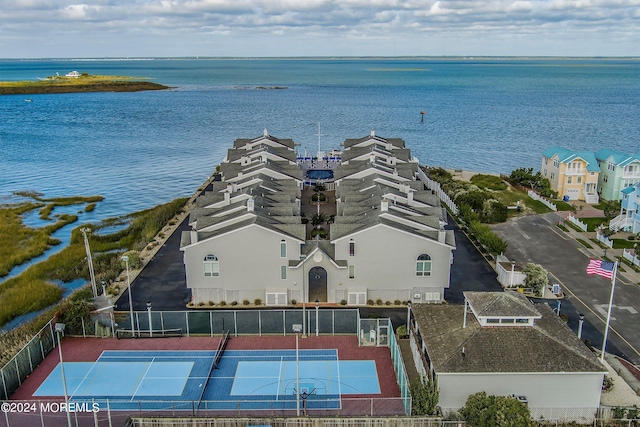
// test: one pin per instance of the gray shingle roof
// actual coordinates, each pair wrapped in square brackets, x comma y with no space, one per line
[548,346]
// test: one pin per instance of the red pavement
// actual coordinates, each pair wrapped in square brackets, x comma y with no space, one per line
[89,350]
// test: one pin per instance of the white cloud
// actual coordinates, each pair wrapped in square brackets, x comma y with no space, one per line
[463,24]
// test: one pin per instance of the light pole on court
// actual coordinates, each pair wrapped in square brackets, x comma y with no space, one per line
[60,329]
[126,262]
[150,324]
[317,306]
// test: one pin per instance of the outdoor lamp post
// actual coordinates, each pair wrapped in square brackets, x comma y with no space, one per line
[59,329]
[317,305]
[150,324]
[513,269]
[126,262]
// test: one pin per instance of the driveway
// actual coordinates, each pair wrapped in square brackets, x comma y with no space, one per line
[537,239]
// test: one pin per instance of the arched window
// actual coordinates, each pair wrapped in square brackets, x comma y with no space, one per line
[211,266]
[352,248]
[423,265]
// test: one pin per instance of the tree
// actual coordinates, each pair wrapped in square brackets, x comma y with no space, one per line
[611,209]
[424,395]
[536,277]
[481,410]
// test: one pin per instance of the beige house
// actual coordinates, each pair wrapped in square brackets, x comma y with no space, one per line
[573,175]
[249,239]
[502,344]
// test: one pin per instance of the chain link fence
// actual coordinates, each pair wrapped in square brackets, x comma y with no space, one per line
[24,362]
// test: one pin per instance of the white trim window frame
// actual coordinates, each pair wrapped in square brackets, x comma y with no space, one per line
[423,265]
[211,266]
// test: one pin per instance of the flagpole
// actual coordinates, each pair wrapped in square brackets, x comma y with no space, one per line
[606,328]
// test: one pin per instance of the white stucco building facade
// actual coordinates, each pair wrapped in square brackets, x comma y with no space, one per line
[249,240]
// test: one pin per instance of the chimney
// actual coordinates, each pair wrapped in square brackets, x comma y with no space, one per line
[410,198]
[227,198]
[384,205]
[373,133]
[250,204]
[194,236]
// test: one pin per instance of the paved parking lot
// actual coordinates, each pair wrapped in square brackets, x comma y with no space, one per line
[537,239]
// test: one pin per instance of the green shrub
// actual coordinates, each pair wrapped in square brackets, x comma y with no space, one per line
[402,331]
[490,182]
[294,302]
[257,301]
[245,302]
[343,302]
[397,302]
[222,303]
[234,303]
[369,302]
[378,301]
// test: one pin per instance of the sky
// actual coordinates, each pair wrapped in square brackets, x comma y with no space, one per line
[282,28]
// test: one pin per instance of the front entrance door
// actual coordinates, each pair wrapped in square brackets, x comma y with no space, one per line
[317,284]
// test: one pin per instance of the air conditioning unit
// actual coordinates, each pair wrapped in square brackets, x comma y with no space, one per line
[417,296]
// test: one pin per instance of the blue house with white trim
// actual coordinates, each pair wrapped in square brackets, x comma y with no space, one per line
[629,219]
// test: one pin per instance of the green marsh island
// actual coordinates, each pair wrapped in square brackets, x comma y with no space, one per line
[74,82]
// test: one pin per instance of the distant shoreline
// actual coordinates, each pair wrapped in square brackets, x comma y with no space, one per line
[77,83]
[307,58]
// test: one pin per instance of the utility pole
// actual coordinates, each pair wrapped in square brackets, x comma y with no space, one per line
[89,260]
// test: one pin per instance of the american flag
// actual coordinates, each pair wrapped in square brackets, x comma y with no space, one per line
[601,268]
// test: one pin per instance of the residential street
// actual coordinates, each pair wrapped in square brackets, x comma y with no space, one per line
[537,239]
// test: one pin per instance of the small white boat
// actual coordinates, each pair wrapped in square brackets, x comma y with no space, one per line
[28,100]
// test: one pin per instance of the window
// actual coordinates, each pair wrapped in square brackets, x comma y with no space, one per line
[605,178]
[493,320]
[283,249]
[552,175]
[579,179]
[569,179]
[556,163]
[352,272]
[545,172]
[352,247]
[283,272]
[611,166]
[423,265]
[211,266]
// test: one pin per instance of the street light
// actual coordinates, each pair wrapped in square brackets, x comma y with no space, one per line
[150,324]
[126,262]
[513,268]
[317,305]
[59,329]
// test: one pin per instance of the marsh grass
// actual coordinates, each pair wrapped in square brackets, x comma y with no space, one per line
[85,83]
[33,291]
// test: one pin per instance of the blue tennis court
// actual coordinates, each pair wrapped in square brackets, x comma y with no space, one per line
[245,379]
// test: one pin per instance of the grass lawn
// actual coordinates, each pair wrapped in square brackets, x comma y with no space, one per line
[623,243]
[593,223]
[585,244]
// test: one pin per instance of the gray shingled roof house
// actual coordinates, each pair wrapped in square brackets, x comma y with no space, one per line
[501,343]
[248,240]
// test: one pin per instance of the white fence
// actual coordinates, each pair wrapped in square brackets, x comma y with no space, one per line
[541,199]
[575,221]
[435,187]
[631,256]
[508,276]
[604,239]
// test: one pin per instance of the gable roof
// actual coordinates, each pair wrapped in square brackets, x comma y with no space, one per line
[618,158]
[567,156]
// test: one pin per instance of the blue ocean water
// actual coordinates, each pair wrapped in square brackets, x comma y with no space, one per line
[141,149]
